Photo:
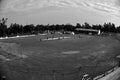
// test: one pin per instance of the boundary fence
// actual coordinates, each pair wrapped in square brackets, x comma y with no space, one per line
[54,38]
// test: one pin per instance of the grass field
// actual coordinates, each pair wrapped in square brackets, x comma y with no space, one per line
[118,78]
[66,59]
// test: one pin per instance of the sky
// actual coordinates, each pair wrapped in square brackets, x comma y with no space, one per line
[60,11]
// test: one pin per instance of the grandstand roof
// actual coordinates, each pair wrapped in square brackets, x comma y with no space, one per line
[82,29]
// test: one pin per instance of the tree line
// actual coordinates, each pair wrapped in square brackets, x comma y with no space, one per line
[17,29]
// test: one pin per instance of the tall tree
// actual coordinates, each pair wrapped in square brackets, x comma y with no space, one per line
[78,25]
[3,26]
[87,25]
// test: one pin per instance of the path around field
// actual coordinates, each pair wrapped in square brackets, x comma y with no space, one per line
[112,76]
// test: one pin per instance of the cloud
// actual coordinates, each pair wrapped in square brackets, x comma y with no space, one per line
[117,2]
[111,6]
[26,5]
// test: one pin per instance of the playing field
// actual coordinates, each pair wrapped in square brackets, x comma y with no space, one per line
[65,59]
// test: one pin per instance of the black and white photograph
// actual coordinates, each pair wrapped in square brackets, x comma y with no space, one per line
[59,39]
